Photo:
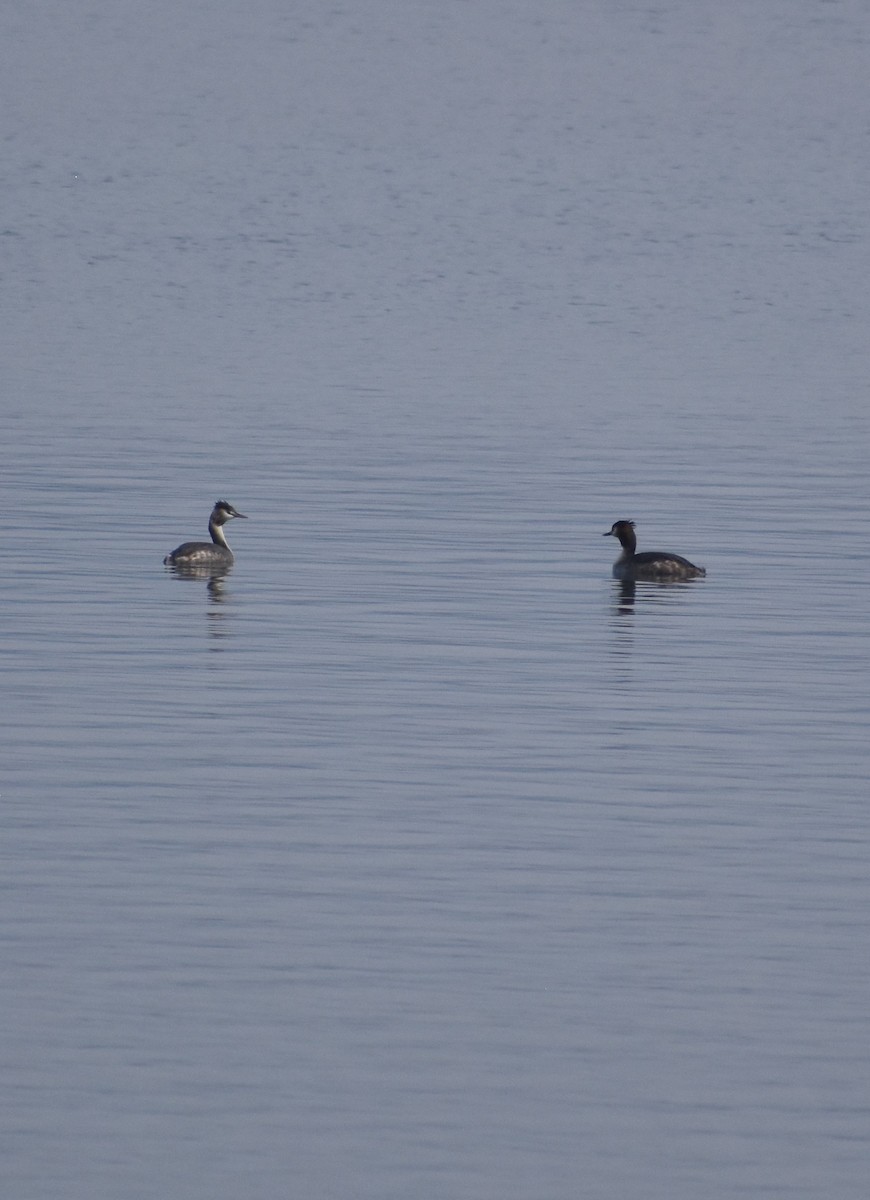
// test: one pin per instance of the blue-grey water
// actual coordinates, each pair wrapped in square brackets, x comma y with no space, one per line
[416,857]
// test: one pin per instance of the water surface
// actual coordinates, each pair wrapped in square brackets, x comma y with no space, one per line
[416,856]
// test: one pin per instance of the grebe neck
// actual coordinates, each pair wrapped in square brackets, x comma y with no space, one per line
[216,529]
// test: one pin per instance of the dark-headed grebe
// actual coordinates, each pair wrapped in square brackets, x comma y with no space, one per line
[652,564]
[206,554]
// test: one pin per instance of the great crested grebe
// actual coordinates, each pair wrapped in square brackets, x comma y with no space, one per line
[207,554]
[651,564]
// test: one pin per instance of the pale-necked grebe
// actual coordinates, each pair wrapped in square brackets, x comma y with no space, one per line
[652,564]
[206,554]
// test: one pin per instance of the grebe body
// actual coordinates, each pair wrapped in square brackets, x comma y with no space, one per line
[215,553]
[650,564]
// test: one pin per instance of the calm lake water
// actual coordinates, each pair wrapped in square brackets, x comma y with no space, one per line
[417,857]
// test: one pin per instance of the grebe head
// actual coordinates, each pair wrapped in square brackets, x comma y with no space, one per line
[624,531]
[222,512]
